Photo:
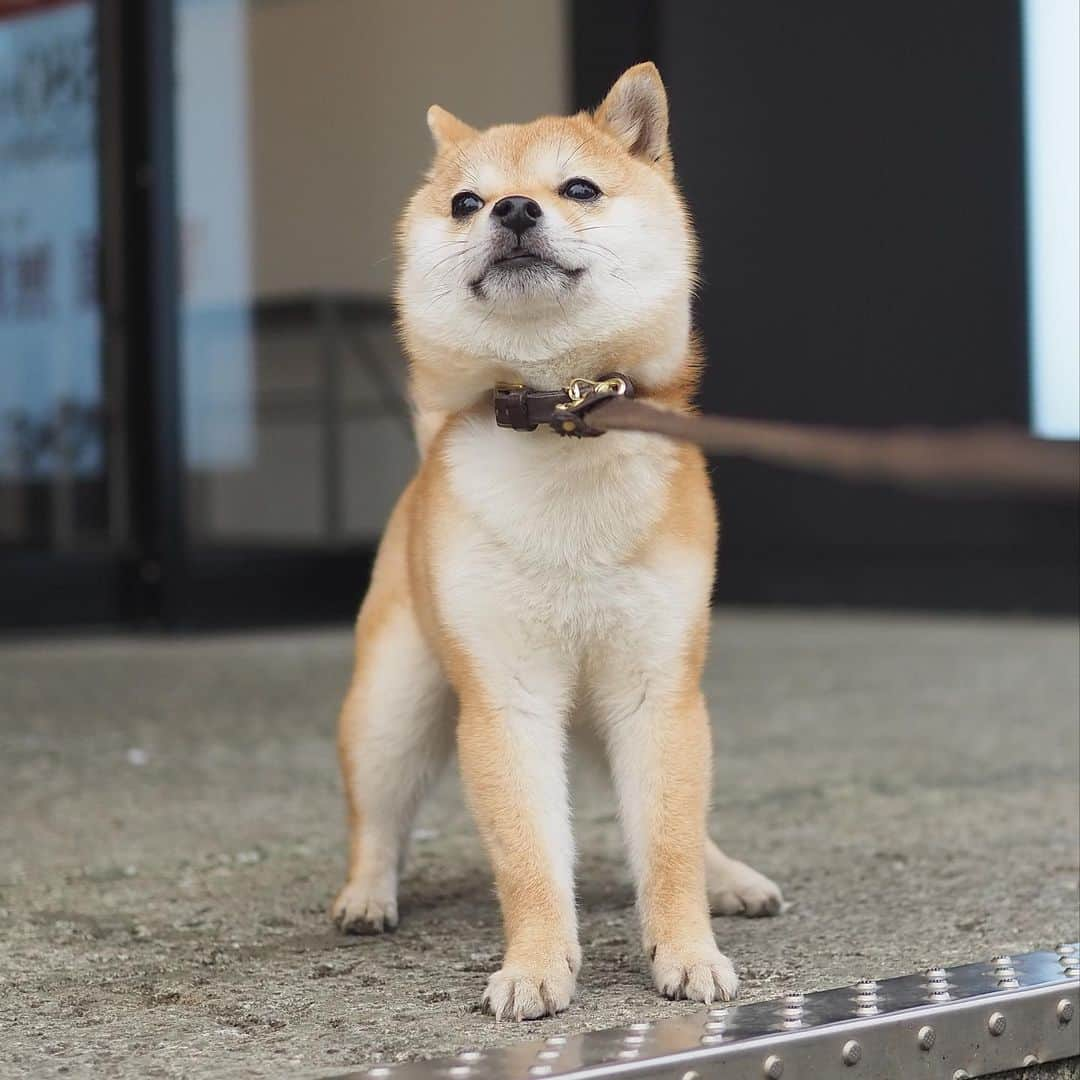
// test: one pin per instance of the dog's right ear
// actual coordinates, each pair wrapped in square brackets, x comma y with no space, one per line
[446,129]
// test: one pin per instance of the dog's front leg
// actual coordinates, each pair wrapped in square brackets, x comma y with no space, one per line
[511,742]
[657,731]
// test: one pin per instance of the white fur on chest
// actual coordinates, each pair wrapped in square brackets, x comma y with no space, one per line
[560,504]
[552,528]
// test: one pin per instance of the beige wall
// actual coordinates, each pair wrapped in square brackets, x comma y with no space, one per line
[339,91]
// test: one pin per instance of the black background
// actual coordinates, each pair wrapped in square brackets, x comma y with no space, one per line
[856,173]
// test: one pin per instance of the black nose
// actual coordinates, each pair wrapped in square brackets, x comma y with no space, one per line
[517,213]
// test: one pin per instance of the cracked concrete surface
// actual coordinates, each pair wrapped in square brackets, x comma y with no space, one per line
[171,834]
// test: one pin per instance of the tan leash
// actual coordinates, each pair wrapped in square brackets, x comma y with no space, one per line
[978,460]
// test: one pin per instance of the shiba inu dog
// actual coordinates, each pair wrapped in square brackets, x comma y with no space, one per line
[527,580]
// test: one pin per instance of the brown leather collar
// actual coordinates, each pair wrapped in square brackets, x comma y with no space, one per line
[565,410]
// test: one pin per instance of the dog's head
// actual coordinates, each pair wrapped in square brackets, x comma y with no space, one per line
[533,240]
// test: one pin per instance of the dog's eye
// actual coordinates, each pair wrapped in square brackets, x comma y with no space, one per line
[465,203]
[580,189]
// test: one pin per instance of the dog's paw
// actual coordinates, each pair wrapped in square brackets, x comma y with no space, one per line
[360,909]
[528,991]
[698,973]
[738,889]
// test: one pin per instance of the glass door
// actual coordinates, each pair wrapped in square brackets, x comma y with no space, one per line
[295,435]
[64,510]
[55,452]
[202,413]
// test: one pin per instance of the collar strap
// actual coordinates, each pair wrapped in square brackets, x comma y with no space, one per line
[565,411]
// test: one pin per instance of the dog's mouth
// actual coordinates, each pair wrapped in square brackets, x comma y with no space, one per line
[521,259]
[523,267]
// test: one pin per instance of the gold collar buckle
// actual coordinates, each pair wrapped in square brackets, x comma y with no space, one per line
[569,416]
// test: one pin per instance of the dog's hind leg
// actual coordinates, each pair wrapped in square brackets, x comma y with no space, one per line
[737,889]
[394,735]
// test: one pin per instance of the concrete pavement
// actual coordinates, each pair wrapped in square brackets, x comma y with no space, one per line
[171,833]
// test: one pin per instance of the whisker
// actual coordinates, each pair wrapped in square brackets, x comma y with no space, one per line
[446,258]
[574,153]
[562,306]
[625,281]
[442,295]
[601,249]
[468,166]
[434,248]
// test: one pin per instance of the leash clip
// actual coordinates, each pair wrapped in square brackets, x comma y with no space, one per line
[569,417]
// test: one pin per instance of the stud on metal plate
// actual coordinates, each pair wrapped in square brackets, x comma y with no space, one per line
[1005,1012]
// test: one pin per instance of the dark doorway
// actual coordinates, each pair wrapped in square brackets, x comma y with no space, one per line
[856,173]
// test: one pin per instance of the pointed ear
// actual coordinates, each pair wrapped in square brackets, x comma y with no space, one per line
[635,112]
[446,129]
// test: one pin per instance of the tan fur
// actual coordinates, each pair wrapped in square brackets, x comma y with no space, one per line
[529,578]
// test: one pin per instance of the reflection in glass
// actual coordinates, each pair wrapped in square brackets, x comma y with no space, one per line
[295,428]
[52,448]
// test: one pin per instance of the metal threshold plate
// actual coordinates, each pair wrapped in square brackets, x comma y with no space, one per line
[944,1024]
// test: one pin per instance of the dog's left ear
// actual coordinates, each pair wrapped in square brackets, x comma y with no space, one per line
[636,112]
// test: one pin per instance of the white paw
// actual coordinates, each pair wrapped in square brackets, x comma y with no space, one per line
[361,909]
[738,889]
[527,992]
[698,973]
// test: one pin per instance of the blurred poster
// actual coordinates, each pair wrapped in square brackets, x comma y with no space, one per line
[216,334]
[50,326]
